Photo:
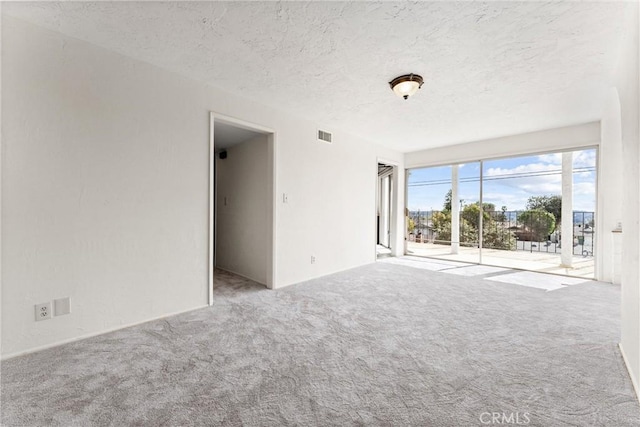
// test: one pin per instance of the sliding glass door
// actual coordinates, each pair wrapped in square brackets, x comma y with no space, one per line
[443,212]
[429,200]
[508,212]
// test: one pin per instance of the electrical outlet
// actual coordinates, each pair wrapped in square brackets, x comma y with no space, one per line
[61,306]
[313,259]
[43,311]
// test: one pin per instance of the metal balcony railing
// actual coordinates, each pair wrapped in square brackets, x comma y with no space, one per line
[531,231]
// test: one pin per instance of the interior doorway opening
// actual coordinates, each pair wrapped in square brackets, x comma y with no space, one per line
[242,182]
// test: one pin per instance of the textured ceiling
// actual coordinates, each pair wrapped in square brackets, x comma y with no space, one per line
[490,69]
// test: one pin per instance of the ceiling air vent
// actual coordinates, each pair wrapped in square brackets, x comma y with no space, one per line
[325,136]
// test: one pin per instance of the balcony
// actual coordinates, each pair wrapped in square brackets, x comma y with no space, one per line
[511,239]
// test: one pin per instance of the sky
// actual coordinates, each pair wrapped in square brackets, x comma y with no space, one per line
[507,182]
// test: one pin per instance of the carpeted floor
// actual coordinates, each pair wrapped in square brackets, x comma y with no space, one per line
[384,344]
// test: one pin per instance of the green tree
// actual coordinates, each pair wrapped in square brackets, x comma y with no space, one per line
[441,222]
[471,213]
[551,204]
[495,235]
[538,223]
[411,225]
[502,215]
[447,202]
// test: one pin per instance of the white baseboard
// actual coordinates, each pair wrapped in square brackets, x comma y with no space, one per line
[329,273]
[93,334]
[630,371]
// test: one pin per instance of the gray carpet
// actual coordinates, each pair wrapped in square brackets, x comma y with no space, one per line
[383,345]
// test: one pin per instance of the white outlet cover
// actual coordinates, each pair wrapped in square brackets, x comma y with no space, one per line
[43,311]
[62,306]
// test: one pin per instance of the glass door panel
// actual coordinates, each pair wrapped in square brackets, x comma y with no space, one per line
[507,212]
[469,211]
[428,202]
[523,202]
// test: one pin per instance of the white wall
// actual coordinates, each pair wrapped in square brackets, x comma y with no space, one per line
[628,90]
[242,200]
[105,186]
[610,172]
[102,176]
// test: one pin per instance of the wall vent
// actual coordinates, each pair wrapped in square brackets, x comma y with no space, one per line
[325,136]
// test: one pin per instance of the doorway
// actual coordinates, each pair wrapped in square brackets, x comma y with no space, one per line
[384,210]
[241,200]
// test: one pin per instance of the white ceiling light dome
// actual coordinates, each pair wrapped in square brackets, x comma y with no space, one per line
[407,85]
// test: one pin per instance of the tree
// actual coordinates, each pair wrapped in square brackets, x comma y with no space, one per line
[538,223]
[551,204]
[498,237]
[441,223]
[502,215]
[411,225]
[495,235]
[447,201]
[471,214]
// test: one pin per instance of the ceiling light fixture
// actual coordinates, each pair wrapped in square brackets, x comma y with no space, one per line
[407,85]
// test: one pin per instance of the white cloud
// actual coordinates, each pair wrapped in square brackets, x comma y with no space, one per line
[527,168]
[553,158]
[583,175]
[511,200]
[532,178]
[584,188]
[542,188]
[581,159]
[584,158]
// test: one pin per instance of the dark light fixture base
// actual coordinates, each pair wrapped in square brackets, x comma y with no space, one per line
[406,85]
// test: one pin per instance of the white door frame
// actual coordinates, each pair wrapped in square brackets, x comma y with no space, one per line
[394,214]
[271,171]
[385,209]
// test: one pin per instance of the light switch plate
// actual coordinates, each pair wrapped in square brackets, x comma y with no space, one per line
[62,306]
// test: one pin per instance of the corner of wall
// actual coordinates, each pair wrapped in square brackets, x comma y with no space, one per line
[634,382]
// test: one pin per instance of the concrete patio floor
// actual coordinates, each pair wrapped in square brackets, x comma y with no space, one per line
[534,261]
